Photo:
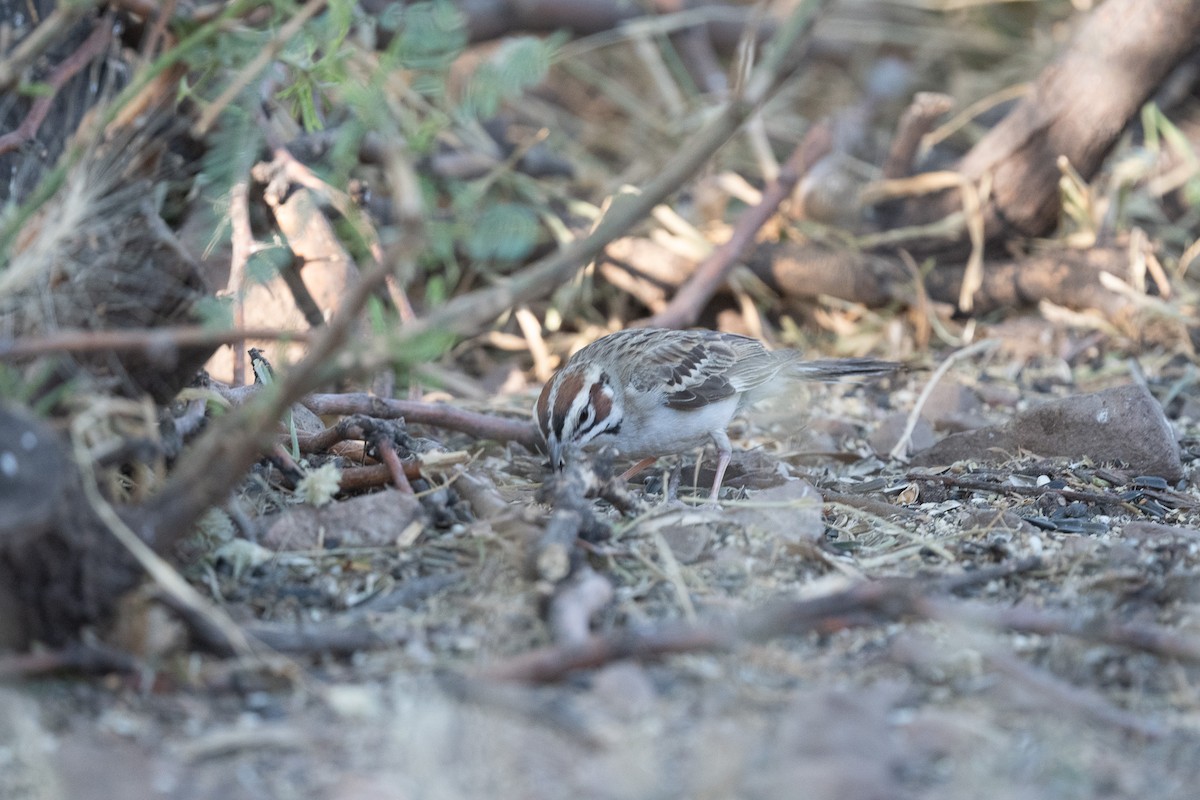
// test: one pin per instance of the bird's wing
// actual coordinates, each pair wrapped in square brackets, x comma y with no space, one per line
[696,368]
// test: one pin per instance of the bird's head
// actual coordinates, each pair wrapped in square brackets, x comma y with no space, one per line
[576,407]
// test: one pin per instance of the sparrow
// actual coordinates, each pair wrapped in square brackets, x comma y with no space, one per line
[652,392]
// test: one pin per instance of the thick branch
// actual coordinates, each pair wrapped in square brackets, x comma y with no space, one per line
[1078,107]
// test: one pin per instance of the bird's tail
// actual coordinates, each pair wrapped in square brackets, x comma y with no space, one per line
[835,369]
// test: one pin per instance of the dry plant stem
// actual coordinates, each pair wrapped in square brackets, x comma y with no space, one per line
[923,318]
[356,429]
[387,454]
[555,556]
[1066,695]
[916,121]
[481,494]
[1069,278]
[879,508]
[684,309]
[860,605]
[1155,639]
[209,470]
[241,243]
[219,459]
[439,415]
[164,575]
[574,603]
[900,451]
[92,47]
[159,15]
[151,341]
[555,663]
[864,604]
[696,51]
[89,658]
[467,313]
[336,636]
[52,29]
[373,476]
[1173,498]
[493,19]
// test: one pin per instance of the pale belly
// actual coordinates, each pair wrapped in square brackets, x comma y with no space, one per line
[666,431]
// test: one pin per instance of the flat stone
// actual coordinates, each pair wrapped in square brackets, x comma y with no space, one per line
[791,512]
[1125,425]
[952,407]
[888,431]
[370,520]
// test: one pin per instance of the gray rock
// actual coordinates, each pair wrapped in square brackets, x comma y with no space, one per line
[1124,424]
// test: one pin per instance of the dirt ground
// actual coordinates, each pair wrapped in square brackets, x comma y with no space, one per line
[1046,646]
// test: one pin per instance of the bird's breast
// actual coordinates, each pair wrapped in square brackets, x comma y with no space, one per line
[649,428]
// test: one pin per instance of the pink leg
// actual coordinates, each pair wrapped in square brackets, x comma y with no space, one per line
[723,457]
[724,453]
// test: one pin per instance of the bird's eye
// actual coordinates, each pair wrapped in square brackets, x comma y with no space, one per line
[583,414]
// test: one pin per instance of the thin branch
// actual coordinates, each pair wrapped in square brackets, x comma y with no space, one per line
[684,309]
[93,46]
[52,29]
[900,451]
[467,313]
[440,415]
[150,341]
[1174,499]
[241,244]
[219,459]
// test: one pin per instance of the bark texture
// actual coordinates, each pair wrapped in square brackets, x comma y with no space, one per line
[1077,108]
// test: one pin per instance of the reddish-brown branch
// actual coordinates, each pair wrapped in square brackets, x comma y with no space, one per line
[916,121]
[865,604]
[684,309]
[440,415]
[151,341]
[51,30]
[373,476]
[553,663]
[391,459]
[91,48]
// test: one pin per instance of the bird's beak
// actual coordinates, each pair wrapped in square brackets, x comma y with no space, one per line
[556,456]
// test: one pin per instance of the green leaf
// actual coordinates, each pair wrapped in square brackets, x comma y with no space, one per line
[431,35]
[516,65]
[234,146]
[263,265]
[503,232]
[215,312]
[377,317]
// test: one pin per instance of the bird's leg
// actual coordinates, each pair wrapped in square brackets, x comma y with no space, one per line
[722,462]
[636,468]
[671,486]
[724,453]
